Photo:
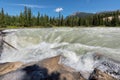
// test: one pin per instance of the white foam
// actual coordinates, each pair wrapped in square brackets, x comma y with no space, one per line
[77,45]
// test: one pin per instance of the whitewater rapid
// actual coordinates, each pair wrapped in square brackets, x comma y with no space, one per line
[77,45]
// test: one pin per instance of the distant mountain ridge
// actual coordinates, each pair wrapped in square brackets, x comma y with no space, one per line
[81,14]
[103,12]
[86,14]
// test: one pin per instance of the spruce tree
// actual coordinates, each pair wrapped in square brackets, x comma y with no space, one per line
[2,18]
[38,19]
[25,16]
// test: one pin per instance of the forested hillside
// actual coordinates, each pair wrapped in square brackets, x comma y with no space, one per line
[27,19]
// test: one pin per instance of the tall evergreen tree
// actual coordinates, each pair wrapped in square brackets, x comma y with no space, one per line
[62,21]
[25,16]
[38,19]
[29,17]
[2,18]
[22,19]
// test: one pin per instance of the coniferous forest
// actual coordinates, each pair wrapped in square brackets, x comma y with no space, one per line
[27,19]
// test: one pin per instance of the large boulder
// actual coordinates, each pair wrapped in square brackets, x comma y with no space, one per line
[99,75]
[9,66]
[110,67]
[106,67]
[47,69]
[65,72]
[53,64]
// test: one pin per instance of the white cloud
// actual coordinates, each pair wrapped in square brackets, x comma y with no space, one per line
[58,9]
[31,6]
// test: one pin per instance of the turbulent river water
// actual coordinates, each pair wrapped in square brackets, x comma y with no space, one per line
[77,45]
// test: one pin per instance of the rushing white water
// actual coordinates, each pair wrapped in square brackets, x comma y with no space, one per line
[78,45]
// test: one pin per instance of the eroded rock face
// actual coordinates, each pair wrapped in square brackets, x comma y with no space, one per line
[10,66]
[110,67]
[99,75]
[48,69]
[106,67]
[53,64]
[65,73]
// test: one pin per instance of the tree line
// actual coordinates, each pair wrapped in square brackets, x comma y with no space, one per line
[27,19]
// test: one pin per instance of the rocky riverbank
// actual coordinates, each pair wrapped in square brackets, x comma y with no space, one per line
[52,69]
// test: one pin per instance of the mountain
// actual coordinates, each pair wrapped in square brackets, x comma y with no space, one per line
[104,14]
[81,14]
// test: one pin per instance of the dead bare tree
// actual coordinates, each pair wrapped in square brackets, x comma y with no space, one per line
[2,41]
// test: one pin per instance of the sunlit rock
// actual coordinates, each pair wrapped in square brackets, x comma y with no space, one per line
[10,66]
[53,64]
[47,69]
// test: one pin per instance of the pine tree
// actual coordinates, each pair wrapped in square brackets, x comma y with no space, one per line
[22,19]
[7,20]
[29,17]
[38,19]
[2,18]
[79,22]
[62,20]
[25,16]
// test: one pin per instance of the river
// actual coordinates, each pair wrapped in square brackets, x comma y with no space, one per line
[77,45]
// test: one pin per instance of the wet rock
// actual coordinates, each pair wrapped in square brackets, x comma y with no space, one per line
[48,69]
[85,74]
[1,43]
[10,66]
[66,76]
[110,67]
[78,76]
[99,75]
[14,75]
[65,72]
[53,64]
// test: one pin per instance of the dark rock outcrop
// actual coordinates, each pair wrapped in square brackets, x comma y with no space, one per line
[106,69]
[110,67]
[1,42]
[99,75]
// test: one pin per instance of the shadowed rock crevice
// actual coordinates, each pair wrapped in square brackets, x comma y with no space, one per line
[35,72]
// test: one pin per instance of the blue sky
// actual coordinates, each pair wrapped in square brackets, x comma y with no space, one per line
[14,7]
